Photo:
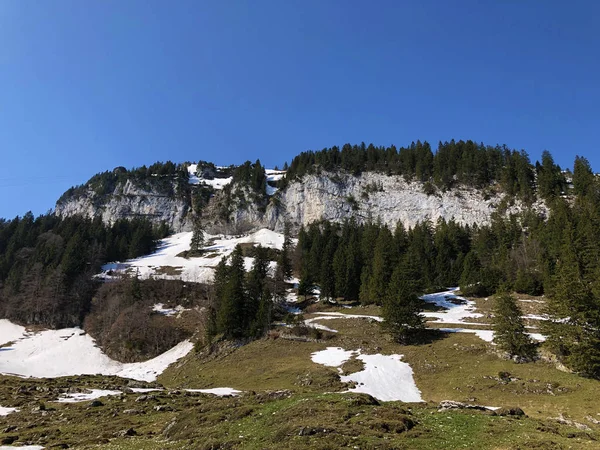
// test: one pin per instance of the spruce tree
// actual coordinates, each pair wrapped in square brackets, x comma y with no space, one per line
[401,308]
[197,237]
[509,330]
[230,317]
[573,306]
[383,259]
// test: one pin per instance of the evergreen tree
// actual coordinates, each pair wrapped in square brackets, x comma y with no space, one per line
[286,250]
[583,176]
[230,316]
[401,312]
[197,237]
[573,306]
[509,330]
[383,264]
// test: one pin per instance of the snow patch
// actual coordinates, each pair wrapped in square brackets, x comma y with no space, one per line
[487,335]
[198,269]
[70,351]
[219,392]
[457,309]
[216,183]
[83,396]
[6,411]
[160,308]
[335,315]
[10,332]
[22,447]
[386,378]
[332,356]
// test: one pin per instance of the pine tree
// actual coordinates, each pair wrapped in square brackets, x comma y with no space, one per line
[230,316]
[283,270]
[401,312]
[197,237]
[383,263]
[509,330]
[574,309]
[256,286]
[286,251]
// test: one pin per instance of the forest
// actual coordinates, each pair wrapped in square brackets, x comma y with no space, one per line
[47,263]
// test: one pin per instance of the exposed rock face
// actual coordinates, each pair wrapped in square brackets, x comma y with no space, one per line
[327,196]
[372,196]
[129,201]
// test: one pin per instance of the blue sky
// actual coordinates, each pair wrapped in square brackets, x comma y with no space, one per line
[89,85]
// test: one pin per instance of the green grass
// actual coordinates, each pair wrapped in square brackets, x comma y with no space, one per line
[289,402]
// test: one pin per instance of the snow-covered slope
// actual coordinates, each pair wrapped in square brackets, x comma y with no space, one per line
[70,351]
[165,262]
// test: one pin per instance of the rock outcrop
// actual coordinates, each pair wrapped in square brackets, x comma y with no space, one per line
[127,201]
[325,196]
[373,196]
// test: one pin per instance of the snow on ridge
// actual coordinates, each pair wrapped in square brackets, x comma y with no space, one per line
[216,183]
[70,351]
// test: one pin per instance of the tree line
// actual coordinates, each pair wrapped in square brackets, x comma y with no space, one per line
[453,163]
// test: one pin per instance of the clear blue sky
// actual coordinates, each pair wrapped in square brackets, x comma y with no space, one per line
[89,85]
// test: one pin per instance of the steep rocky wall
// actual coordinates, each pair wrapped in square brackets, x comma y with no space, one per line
[373,196]
[327,196]
[128,201]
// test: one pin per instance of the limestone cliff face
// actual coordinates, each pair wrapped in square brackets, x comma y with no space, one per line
[372,196]
[326,196]
[127,201]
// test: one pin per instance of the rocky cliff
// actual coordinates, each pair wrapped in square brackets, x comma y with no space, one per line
[129,200]
[326,196]
[372,196]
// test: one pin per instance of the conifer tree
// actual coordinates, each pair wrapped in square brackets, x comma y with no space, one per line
[401,307]
[230,317]
[382,266]
[573,306]
[197,237]
[509,330]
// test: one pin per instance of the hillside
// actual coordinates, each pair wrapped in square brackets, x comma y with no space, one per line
[309,307]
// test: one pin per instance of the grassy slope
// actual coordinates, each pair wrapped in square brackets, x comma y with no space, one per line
[451,366]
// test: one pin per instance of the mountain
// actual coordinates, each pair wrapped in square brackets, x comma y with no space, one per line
[469,185]
[308,307]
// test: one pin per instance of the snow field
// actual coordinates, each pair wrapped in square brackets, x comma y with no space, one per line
[332,356]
